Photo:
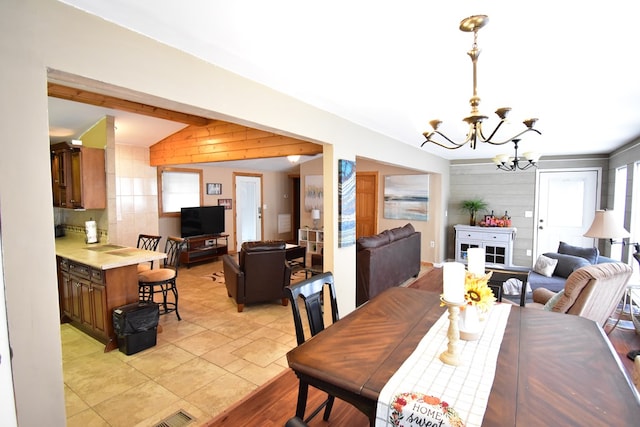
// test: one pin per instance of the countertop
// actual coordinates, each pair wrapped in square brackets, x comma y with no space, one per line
[103,256]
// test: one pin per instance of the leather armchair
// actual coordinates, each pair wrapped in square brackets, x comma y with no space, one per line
[260,275]
[593,291]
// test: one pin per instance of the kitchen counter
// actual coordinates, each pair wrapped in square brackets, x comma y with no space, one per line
[100,255]
[95,279]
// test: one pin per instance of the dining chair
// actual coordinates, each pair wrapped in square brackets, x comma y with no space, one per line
[163,280]
[311,292]
[295,422]
[150,243]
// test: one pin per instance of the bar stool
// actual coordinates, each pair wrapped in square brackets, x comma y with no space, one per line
[150,243]
[163,280]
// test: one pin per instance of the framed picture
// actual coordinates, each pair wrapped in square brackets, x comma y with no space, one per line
[406,197]
[214,188]
[225,202]
[346,203]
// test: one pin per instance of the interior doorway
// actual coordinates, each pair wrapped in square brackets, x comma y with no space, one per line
[248,208]
[567,201]
[366,204]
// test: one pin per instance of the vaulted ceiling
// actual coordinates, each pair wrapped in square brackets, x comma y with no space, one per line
[203,140]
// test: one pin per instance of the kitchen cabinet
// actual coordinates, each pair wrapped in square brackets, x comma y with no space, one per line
[84,299]
[496,241]
[93,280]
[78,177]
[89,295]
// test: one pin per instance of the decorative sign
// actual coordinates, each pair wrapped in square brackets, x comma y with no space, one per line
[420,410]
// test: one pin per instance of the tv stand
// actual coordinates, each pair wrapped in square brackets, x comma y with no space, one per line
[204,248]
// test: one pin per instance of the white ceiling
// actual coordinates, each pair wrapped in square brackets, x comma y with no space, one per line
[393,66]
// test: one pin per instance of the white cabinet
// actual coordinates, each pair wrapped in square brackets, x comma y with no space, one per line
[496,241]
[312,239]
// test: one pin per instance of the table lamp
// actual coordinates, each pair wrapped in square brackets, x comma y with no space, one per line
[606,226]
[315,216]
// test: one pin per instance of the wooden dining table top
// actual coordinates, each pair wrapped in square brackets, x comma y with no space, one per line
[552,369]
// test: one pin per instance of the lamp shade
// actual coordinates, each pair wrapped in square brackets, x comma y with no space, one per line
[315,213]
[606,226]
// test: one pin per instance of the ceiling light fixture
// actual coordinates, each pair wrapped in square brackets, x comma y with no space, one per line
[510,164]
[293,158]
[475,118]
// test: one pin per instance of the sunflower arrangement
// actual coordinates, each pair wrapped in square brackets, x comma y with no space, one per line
[478,292]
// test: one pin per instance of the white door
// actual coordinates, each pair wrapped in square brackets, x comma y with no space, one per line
[567,201]
[248,209]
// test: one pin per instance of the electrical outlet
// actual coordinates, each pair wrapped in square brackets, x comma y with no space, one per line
[528,252]
[433,244]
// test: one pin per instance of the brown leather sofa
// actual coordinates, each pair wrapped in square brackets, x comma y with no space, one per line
[260,274]
[385,260]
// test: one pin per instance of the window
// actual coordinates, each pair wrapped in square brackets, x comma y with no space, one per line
[634,226]
[178,188]
[619,202]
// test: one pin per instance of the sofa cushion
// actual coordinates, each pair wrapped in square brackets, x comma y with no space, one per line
[545,265]
[554,283]
[401,232]
[567,264]
[376,241]
[590,254]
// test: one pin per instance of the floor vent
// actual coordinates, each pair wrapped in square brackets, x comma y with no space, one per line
[179,419]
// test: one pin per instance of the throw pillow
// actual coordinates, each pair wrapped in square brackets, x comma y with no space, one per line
[552,301]
[567,264]
[590,254]
[545,265]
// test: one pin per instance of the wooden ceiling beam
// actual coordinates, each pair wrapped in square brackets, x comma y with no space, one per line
[225,142]
[79,95]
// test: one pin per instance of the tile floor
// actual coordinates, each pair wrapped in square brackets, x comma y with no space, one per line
[202,364]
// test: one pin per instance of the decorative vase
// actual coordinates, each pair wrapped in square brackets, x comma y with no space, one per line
[469,324]
[472,218]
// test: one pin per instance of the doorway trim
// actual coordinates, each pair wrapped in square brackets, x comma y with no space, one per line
[598,190]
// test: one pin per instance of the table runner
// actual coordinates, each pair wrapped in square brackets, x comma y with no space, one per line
[425,382]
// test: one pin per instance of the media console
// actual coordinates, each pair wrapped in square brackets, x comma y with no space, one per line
[203,248]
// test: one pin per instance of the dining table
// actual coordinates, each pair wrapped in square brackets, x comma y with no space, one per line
[552,368]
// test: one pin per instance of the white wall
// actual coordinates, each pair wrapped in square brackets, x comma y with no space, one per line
[42,38]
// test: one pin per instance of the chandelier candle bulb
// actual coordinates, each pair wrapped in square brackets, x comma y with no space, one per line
[476,259]
[453,282]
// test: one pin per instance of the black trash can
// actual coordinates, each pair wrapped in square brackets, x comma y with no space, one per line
[136,326]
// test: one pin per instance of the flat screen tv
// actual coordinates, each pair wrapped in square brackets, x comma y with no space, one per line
[201,220]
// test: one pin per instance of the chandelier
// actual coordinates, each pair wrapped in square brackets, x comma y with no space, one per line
[510,164]
[475,118]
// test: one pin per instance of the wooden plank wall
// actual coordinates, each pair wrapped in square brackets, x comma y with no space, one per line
[222,141]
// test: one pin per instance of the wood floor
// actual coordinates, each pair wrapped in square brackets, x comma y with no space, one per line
[274,403]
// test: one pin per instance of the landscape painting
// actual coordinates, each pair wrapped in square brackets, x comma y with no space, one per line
[406,197]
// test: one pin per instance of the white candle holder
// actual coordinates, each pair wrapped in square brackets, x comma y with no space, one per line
[451,356]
